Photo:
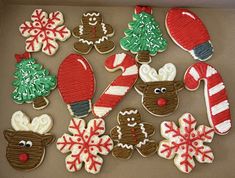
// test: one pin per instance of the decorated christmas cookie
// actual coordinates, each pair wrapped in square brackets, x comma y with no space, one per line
[158,89]
[43,31]
[84,145]
[76,84]
[144,36]
[217,104]
[186,142]
[93,32]
[118,88]
[188,31]
[132,133]
[27,142]
[32,83]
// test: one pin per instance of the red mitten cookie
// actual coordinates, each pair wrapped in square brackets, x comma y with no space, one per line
[217,104]
[188,31]
[76,84]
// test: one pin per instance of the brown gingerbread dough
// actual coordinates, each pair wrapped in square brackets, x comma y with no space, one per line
[93,32]
[132,133]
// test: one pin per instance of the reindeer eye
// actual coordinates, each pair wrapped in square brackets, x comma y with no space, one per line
[22,143]
[157,90]
[128,119]
[163,90]
[28,144]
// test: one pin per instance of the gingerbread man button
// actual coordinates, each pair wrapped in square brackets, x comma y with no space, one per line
[132,133]
[93,32]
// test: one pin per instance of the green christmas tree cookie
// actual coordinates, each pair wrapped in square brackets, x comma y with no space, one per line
[144,36]
[33,83]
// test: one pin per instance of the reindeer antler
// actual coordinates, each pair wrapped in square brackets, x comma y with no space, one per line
[149,74]
[41,124]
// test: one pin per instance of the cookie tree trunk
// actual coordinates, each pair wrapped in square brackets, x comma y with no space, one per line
[40,102]
[143,57]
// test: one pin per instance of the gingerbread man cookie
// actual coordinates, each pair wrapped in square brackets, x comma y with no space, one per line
[132,133]
[27,142]
[93,32]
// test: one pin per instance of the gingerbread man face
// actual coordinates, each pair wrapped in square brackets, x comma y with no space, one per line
[129,118]
[92,18]
[159,91]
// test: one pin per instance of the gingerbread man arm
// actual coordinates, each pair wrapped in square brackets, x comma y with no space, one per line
[114,134]
[109,29]
[77,31]
[149,129]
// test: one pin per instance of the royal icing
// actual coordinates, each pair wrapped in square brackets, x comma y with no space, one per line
[32,82]
[217,104]
[118,88]
[76,84]
[43,31]
[144,36]
[132,133]
[85,144]
[27,142]
[185,142]
[188,31]
[93,32]
[158,89]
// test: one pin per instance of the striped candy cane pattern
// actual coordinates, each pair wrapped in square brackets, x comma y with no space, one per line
[215,95]
[120,86]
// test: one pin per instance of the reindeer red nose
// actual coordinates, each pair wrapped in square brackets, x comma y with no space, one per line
[23,157]
[161,102]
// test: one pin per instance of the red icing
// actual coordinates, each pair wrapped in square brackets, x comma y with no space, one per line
[111,100]
[213,100]
[75,79]
[23,157]
[139,9]
[186,28]
[188,142]
[20,57]
[86,144]
[161,102]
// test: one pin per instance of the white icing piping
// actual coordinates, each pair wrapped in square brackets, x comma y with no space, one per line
[83,64]
[119,132]
[189,14]
[91,14]
[101,39]
[85,41]
[132,125]
[142,142]
[143,130]
[104,28]
[125,146]
[92,24]
[80,29]
[128,112]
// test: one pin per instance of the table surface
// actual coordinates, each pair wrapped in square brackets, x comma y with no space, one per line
[221,25]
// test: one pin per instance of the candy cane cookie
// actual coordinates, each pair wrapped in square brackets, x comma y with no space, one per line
[215,94]
[120,86]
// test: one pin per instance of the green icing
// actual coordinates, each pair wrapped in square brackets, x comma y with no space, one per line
[143,34]
[31,81]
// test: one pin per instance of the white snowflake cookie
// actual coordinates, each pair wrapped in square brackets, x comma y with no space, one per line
[43,31]
[85,144]
[186,142]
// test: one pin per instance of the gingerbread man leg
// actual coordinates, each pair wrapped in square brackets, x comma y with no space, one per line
[104,46]
[82,47]
[146,147]
[123,151]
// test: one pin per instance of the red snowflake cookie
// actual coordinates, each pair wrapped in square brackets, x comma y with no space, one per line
[43,31]
[186,142]
[85,144]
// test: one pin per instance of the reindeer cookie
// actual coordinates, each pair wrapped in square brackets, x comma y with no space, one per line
[27,142]
[158,89]
[132,133]
[93,32]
